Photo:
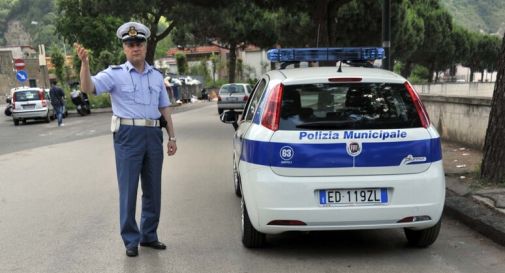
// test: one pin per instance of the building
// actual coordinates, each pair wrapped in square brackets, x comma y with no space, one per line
[254,61]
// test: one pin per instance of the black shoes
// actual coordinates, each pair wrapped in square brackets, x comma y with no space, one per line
[156,245]
[132,252]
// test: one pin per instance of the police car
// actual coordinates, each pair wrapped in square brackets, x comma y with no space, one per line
[336,148]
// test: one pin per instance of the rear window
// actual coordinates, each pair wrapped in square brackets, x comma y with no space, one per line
[232,88]
[347,106]
[26,95]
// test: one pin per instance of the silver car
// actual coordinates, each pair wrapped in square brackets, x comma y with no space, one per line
[31,103]
[233,96]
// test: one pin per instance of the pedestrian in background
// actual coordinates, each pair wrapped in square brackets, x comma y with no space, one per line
[58,101]
[139,98]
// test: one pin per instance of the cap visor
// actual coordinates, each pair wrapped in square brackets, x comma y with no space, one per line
[134,39]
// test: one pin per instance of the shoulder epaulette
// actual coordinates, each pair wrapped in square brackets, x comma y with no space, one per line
[115,66]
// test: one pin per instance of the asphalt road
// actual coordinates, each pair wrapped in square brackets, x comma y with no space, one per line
[59,213]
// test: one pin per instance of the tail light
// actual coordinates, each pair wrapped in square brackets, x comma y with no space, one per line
[13,101]
[273,108]
[421,110]
[246,98]
[42,98]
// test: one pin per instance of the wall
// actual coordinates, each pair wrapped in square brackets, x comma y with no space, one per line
[459,119]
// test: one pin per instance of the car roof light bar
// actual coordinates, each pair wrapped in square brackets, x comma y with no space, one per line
[325,54]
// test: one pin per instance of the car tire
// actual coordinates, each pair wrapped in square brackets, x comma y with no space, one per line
[16,122]
[251,238]
[220,111]
[48,118]
[424,237]
[236,180]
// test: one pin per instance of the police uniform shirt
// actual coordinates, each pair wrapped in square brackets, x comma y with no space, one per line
[133,95]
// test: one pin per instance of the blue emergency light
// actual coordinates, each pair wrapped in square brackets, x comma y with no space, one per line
[325,54]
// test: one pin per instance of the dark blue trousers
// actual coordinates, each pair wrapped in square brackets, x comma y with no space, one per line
[139,154]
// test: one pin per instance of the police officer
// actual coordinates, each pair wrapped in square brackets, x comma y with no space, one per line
[138,98]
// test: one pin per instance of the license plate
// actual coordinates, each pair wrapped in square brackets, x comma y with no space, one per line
[373,196]
[232,99]
[29,106]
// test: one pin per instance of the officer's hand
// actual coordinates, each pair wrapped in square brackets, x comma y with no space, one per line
[82,53]
[172,148]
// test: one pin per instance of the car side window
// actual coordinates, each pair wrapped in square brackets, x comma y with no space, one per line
[254,101]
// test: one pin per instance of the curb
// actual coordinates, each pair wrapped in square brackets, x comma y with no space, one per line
[478,217]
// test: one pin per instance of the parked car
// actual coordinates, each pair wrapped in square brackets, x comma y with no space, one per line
[329,148]
[233,96]
[29,103]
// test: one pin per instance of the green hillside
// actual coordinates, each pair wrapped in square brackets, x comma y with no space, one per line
[478,15]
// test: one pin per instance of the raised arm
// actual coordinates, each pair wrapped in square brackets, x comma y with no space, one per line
[87,85]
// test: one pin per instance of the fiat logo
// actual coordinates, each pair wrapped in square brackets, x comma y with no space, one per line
[353,148]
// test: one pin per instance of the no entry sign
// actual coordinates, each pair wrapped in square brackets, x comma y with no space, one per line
[19,64]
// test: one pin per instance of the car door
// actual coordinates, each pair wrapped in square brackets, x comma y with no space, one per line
[247,117]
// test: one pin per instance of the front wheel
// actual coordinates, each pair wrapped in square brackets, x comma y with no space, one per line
[424,237]
[251,238]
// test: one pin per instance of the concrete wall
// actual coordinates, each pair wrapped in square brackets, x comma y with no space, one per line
[476,89]
[459,119]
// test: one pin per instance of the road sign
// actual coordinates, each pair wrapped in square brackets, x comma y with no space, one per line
[22,76]
[19,64]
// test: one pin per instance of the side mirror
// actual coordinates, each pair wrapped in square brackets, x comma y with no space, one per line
[8,100]
[230,117]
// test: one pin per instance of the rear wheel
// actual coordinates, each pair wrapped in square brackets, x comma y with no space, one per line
[424,237]
[48,118]
[16,122]
[251,238]
[220,111]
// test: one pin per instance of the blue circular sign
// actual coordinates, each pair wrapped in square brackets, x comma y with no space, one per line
[22,76]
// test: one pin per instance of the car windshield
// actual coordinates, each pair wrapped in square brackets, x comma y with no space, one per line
[232,88]
[347,106]
[26,95]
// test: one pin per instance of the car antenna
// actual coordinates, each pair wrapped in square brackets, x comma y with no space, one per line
[340,67]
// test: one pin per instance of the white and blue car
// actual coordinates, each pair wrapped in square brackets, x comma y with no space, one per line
[336,148]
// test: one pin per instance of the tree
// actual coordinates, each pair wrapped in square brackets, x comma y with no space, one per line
[231,26]
[437,49]
[490,51]
[5,10]
[58,60]
[493,165]
[182,63]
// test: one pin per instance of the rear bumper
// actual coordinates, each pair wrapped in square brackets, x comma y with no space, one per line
[272,197]
[230,105]
[32,114]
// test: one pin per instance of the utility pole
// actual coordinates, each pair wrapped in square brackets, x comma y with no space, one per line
[386,34]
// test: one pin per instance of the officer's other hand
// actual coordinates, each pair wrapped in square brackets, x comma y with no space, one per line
[171,148]
[81,52]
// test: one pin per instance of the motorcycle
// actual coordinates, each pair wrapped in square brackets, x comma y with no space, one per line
[81,102]
[8,109]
